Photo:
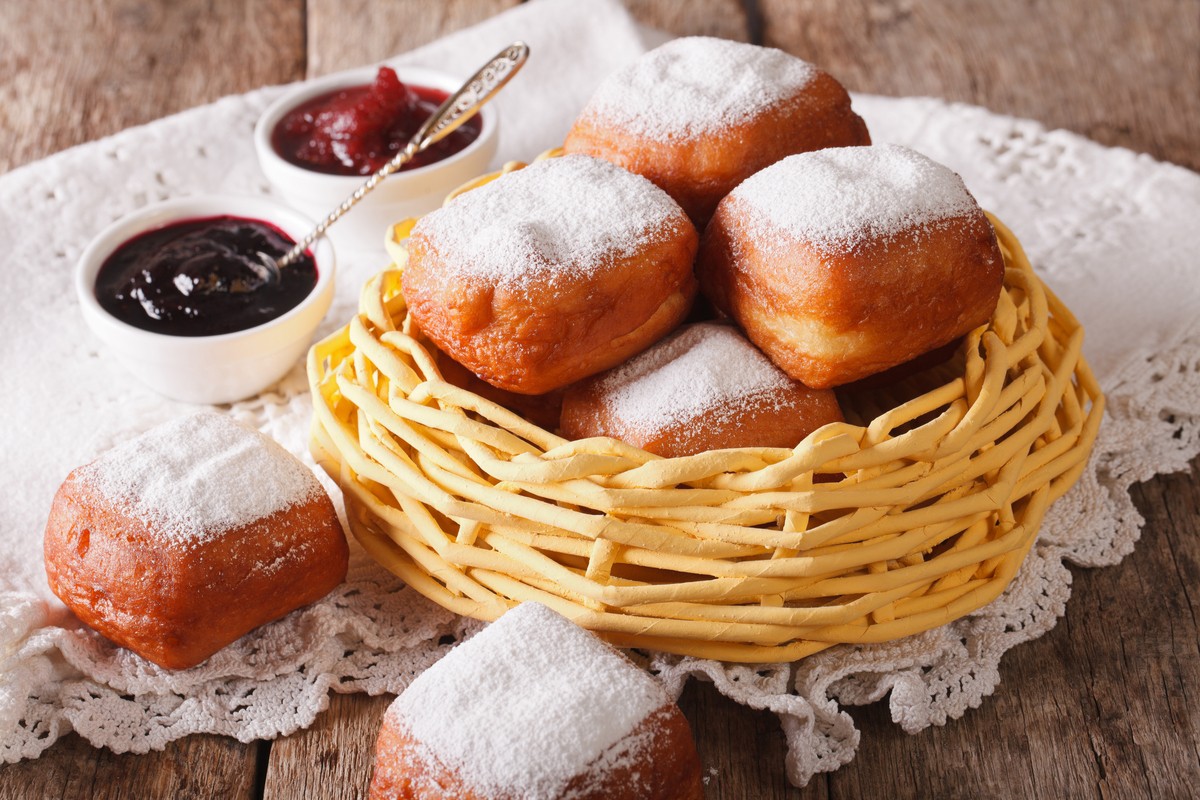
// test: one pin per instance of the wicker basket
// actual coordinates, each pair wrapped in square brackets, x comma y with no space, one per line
[861,533]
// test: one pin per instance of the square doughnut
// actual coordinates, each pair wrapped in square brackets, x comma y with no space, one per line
[178,542]
[845,262]
[535,707]
[698,115]
[706,387]
[551,273]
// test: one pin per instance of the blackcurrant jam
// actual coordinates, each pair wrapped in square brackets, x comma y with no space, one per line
[202,277]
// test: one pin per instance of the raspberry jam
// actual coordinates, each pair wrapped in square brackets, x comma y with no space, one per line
[199,277]
[356,130]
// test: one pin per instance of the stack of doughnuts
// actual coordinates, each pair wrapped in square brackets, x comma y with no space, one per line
[559,290]
[829,259]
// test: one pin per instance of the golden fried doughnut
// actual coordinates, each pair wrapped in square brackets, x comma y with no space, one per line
[179,541]
[844,262]
[704,388]
[699,115]
[551,273]
[535,706]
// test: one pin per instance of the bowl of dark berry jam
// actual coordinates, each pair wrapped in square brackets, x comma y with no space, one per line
[320,141]
[178,293]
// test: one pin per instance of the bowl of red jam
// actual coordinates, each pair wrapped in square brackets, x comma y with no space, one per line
[319,142]
[177,292]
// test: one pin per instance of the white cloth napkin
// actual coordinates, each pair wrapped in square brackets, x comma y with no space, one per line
[1111,231]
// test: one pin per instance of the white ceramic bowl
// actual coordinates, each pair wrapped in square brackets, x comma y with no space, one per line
[404,194]
[207,369]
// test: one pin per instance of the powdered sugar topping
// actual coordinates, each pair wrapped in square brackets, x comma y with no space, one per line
[840,197]
[527,704]
[559,218]
[194,478]
[703,369]
[697,85]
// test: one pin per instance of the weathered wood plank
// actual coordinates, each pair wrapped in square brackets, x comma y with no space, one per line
[727,19]
[1123,74]
[1143,662]
[198,767]
[333,758]
[349,34]
[742,750]
[76,70]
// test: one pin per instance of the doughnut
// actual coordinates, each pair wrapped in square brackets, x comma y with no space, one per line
[179,541]
[699,115]
[551,273]
[704,388]
[845,262]
[534,706]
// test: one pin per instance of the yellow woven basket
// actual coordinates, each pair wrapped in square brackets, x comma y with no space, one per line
[864,532]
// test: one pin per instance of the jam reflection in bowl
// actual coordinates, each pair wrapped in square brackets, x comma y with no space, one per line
[176,292]
[319,142]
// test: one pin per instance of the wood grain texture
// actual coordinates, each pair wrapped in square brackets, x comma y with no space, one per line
[331,759]
[76,70]
[350,33]
[195,768]
[1102,706]
[742,751]
[728,19]
[1121,73]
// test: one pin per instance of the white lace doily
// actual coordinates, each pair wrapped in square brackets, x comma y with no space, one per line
[1110,231]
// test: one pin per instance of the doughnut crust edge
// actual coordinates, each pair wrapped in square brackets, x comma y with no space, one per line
[828,319]
[699,170]
[758,422]
[177,606]
[545,334]
[724,394]
[668,768]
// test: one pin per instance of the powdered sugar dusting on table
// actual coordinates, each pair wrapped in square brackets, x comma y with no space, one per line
[704,369]
[194,478]
[526,705]
[697,85]
[563,217]
[840,197]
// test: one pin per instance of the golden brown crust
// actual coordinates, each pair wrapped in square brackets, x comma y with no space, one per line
[702,170]
[779,419]
[827,319]
[177,606]
[403,771]
[545,334]
[666,768]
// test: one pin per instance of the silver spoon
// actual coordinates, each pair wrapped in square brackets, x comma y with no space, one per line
[458,108]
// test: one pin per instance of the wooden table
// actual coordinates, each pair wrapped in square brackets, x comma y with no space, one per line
[1100,707]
